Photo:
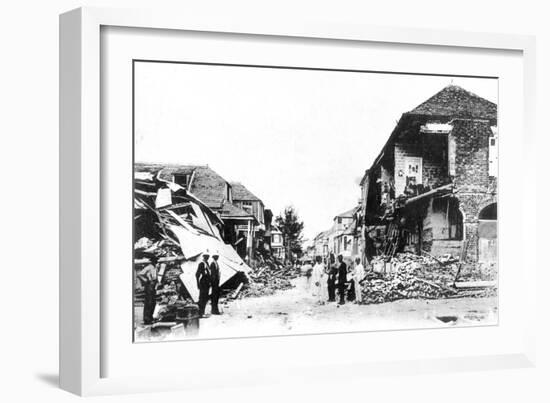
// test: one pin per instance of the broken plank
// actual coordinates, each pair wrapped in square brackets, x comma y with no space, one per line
[475,284]
[440,286]
[160,260]
[237,291]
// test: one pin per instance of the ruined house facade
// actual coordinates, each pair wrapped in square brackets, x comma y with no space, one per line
[434,183]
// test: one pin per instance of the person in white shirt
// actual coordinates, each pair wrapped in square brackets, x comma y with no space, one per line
[358,275]
[318,279]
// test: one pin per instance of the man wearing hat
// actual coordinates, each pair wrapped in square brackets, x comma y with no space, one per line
[148,277]
[215,277]
[342,279]
[204,281]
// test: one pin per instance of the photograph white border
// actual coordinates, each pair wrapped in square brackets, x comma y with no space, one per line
[81,185]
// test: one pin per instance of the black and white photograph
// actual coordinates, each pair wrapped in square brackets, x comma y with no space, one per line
[276,201]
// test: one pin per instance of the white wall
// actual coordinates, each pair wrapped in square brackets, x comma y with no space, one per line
[29,122]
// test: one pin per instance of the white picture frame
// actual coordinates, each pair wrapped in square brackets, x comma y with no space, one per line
[82,345]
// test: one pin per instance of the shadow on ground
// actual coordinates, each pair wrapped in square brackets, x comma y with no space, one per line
[49,379]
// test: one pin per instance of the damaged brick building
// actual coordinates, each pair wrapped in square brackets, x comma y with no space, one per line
[434,184]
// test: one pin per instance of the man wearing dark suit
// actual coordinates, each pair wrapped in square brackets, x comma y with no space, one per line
[215,278]
[148,277]
[342,279]
[204,281]
[331,280]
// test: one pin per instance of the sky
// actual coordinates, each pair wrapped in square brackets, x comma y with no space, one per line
[292,137]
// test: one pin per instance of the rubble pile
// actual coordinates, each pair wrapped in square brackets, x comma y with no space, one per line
[169,255]
[409,276]
[145,247]
[268,279]
[402,284]
[176,228]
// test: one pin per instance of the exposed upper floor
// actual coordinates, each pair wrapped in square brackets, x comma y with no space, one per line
[451,138]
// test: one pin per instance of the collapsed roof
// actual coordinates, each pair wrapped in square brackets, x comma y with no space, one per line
[202,182]
[170,212]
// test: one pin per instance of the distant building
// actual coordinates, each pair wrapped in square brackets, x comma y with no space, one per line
[277,244]
[434,183]
[344,237]
[320,244]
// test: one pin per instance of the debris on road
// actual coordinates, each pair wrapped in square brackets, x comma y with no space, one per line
[409,276]
[268,279]
[177,229]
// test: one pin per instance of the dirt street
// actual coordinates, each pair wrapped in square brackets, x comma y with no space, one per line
[296,311]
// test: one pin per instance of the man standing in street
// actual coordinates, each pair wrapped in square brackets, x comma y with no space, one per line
[215,278]
[358,276]
[342,279]
[331,280]
[148,277]
[204,281]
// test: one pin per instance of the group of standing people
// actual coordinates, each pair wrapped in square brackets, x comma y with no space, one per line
[208,283]
[326,280]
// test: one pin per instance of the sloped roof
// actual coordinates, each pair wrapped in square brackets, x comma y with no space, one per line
[455,101]
[240,192]
[166,171]
[206,184]
[229,210]
[321,235]
[349,213]
[209,186]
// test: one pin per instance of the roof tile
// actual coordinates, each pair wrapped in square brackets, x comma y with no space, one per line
[455,101]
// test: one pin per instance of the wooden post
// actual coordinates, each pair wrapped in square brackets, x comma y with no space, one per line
[249,243]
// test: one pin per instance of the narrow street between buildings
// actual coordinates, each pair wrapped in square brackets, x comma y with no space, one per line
[296,311]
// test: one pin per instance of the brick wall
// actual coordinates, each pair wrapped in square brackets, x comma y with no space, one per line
[433,151]
[476,189]
[471,204]
[472,154]
[401,152]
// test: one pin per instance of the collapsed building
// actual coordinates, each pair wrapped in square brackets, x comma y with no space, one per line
[433,186]
[178,225]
